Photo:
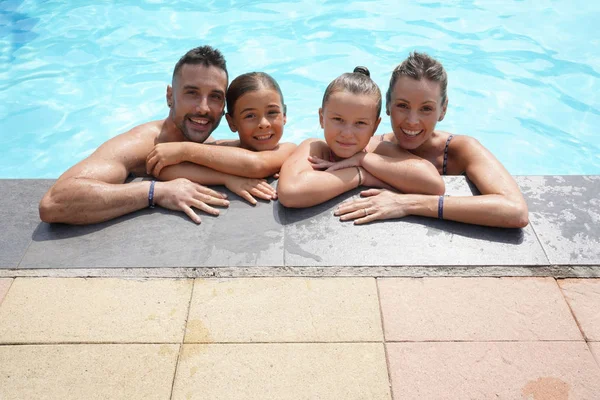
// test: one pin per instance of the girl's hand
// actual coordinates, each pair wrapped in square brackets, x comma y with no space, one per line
[163,155]
[375,204]
[246,188]
[320,164]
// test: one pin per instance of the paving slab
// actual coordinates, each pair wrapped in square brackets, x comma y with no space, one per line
[242,235]
[583,296]
[493,370]
[282,371]
[284,310]
[315,237]
[19,216]
[475,309]
[565,213]
[4,286]
[115,371]
[74,310]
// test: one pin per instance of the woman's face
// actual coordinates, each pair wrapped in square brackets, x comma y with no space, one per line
[259,119]
[348,121]
[415,108]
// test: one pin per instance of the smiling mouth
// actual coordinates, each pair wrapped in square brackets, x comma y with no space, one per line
[345,144]
[262,138]
[411,133]
[200,121]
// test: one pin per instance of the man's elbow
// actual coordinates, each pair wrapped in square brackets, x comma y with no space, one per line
[48,209]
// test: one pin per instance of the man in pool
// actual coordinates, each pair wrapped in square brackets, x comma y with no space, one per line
[94,190]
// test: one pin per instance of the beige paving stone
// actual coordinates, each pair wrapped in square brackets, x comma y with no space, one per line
[282,371]
[595,348]
[475,309]
[87,371]
[284,310]
[583,295]
[73,310]
[4,286]
[493,370]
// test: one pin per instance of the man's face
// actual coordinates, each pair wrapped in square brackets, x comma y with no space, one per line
[197,100]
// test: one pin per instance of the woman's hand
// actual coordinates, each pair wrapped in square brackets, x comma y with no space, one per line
[375,204]
[246,188]
[320,164]
[163,155]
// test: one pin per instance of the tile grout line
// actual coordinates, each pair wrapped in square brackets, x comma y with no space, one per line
[540,243]
[385,351]
[25,252]
[187,317]
[12,281]
[572,312]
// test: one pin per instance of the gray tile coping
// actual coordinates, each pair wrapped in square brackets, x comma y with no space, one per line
[563,231]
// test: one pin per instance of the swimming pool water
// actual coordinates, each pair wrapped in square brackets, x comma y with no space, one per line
[524,76]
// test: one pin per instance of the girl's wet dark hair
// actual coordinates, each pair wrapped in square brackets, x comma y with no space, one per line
[250,82]
[357,82]
[418,66]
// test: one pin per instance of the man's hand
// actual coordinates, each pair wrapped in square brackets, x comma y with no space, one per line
[163,155]
[248,187]
[182,194]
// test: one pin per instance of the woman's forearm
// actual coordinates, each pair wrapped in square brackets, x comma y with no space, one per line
[490,210]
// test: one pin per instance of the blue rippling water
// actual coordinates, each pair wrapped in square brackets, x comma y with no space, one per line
[524,75]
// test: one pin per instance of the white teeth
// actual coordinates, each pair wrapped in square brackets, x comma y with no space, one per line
[200,121]
[411,133]
[265,137]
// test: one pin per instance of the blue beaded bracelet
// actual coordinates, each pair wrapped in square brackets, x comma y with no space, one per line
[151,195]
[441,207]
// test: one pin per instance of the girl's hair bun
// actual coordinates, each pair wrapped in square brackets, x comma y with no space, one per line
[362,70]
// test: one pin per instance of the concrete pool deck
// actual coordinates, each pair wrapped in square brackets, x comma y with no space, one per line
[268,303]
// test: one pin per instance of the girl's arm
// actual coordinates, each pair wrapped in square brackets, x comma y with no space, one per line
[301,186]
[223,158]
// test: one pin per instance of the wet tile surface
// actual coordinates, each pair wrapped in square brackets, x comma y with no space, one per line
[583,296]
[492,370]
[565,212]
[284,310]
[314,237]
[87,371]
[242,235]
[19,216]
[475,309]
[73,310]
[282,371]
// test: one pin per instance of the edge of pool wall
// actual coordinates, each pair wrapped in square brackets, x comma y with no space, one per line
[562,239]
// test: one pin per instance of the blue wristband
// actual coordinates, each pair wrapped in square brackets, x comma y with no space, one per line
[441,207]
[151,195]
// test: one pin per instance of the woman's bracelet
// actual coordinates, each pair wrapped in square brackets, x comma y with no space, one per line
[360,178]
[441,207]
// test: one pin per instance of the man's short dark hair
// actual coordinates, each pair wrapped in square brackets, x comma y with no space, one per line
[205,55]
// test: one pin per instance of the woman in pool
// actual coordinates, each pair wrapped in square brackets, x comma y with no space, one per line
[349,117]
[415,101]
[256,111]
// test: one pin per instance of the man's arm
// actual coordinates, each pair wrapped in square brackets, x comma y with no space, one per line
[223,158]
[93,190]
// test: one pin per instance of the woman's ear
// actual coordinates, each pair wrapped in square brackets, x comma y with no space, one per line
[284,114]
[231,123]
[444,108]
[387,110]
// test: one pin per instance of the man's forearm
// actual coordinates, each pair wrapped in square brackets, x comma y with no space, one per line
[86,201]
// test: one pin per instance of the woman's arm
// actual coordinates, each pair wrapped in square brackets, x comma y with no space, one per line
[224,158]
[500,204]
[301,186]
